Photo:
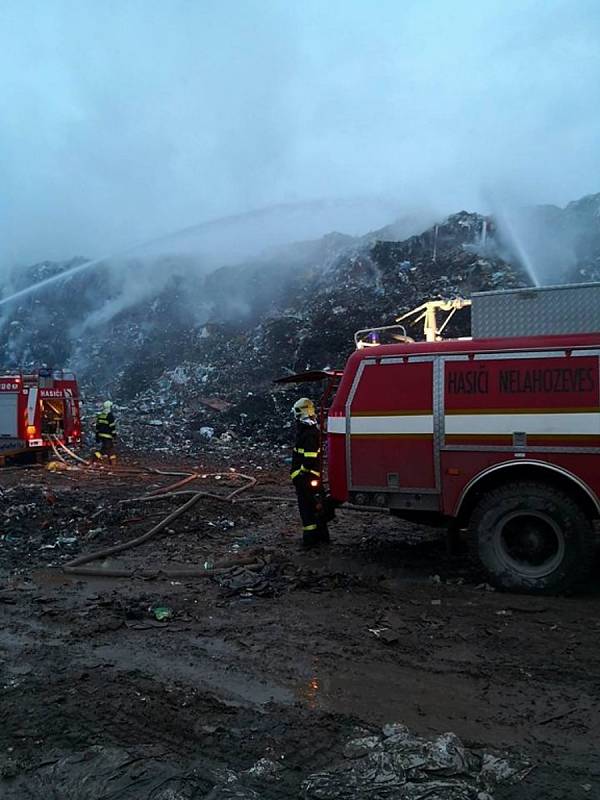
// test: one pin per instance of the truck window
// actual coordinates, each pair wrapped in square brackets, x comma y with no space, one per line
[53,416]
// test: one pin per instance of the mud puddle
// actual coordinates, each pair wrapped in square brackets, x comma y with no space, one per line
[199,671]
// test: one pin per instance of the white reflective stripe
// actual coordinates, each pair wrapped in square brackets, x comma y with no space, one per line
[336,425]
[491,356]
[577,424]
[560,423]
[401,424]
[409,423]
[32,405]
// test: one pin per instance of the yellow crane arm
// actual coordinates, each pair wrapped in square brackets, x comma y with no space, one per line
[428,313]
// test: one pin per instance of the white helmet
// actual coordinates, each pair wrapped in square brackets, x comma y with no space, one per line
[303,408]
[107,406]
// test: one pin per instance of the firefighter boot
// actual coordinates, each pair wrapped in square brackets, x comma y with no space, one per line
[112,459]
[310,537]
[323,533]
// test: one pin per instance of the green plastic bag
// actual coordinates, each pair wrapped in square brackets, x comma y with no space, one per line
[162,613]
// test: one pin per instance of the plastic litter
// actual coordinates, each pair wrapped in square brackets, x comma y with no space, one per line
[386,635]
[162,613]
[398,764]
[56,466]
[264,769]
[362,747]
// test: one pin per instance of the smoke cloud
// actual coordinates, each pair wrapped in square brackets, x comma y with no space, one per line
[122,121]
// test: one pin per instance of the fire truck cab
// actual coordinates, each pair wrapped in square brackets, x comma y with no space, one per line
[37,408]
[499,435]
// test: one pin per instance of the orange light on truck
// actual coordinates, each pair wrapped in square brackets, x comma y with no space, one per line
[31,431]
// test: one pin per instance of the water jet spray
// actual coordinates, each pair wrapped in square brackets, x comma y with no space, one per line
[292,211]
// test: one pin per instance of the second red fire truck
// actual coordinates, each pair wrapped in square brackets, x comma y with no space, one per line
[37,408]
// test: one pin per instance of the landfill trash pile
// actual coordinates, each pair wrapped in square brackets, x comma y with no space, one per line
[190,362]
[398,764]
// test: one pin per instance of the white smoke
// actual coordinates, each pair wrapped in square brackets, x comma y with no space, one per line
[125,120]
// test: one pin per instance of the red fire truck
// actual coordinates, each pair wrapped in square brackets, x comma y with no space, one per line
[496,434]
[37,408]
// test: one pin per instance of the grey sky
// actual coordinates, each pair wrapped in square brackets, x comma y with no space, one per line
[123,120]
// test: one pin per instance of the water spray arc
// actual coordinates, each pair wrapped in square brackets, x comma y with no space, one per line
[288,211]
[119,254]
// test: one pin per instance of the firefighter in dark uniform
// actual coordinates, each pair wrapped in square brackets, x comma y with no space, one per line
[305,473]
[106,433]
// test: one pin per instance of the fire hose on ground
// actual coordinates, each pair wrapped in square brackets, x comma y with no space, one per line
[76,566]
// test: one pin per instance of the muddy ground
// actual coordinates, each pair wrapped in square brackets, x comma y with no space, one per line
[286,660]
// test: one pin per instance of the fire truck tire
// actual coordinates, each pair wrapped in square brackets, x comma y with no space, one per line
[532,537]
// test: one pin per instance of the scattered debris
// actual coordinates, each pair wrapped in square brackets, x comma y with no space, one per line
[216,403]
[162,613]
[385,634]
[400,764]
[56,466]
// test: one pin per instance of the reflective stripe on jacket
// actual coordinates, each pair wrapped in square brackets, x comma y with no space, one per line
[106,427]
[305,455]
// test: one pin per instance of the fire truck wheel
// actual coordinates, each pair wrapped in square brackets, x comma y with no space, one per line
[532,537]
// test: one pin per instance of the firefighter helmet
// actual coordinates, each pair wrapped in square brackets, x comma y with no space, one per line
[303,408]
[107,406]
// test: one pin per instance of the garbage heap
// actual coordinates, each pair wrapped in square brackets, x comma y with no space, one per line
[190,361]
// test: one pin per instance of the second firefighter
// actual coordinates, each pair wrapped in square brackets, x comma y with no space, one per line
[106,433]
